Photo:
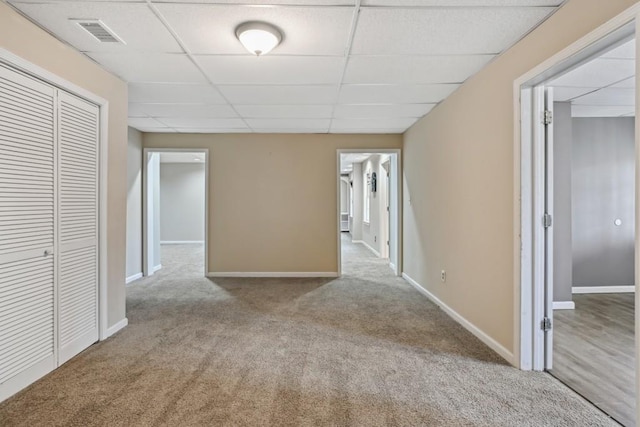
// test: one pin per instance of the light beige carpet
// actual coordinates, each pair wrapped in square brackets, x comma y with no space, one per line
[364,350]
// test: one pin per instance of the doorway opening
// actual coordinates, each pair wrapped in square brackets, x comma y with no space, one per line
[369,205]
[578,185]
[175,208]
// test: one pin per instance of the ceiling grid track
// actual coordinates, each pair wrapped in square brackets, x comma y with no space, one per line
[347,54]
[184,48]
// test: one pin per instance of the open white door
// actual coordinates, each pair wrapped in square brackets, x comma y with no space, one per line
[548,228]
[542,231]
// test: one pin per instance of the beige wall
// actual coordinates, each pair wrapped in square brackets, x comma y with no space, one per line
[29,42]
[458,179]
[272,197]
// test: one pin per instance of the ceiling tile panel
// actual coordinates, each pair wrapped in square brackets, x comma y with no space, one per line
[210,29]
[600,111]
[145,122]
[562,94]
[134,23]
[285,111]
[382,111]
[413,69]
[151,67]
[373,124]
[184,110]
[277,95]
[291,130]
[394,131]
[174,93]
[211,123]
[627,83]
[394,94]
[289,123]
[306,70]
[625,51]
[439,31]
[136,110]
[608,96]
[597,73]
[263,2]
[213,130]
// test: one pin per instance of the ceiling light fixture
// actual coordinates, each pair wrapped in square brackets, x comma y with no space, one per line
[259,38]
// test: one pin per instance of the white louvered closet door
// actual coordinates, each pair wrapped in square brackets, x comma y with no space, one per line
[78,225]
[27,238]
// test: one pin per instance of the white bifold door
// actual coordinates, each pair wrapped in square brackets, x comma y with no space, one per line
[48,228]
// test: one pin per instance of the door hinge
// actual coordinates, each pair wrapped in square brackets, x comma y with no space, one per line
[546,324]
[548,117]
[547,220]
[387,243]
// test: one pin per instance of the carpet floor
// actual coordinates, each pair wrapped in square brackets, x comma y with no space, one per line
[363,350]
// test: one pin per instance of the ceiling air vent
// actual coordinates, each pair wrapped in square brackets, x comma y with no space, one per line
[99,30]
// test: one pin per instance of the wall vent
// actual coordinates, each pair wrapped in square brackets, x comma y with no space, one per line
[99,30]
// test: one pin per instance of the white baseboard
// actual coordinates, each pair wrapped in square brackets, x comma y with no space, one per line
[393,266]
[564,305]
[181,242]
[133,277]
[366,245]
[602,289]
[115,328]
[490,342]
[156,268]
[296,274]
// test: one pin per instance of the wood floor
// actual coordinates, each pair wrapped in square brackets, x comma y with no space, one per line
[594,352]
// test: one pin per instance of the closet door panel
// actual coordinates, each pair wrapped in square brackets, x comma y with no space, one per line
[77,225]
[27,236]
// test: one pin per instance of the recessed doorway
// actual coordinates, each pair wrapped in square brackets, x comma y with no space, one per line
[368,204]
[175,208]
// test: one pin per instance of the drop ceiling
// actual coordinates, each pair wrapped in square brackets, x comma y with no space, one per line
[344,66]
[601,87]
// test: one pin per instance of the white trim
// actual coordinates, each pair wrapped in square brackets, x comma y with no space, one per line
[47,76]
[156,268]
[490,342]
[365,244]
[295,274]
[603,289]
[27,377]
[393,266]
[181,242]
[133,277]
[586,46]
[115,328]
[564,305]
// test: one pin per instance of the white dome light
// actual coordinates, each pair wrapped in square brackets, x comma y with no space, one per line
[259,38]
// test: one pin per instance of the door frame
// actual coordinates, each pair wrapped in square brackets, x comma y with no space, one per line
[396,175]
[146,253]
[528,244]
[31,69]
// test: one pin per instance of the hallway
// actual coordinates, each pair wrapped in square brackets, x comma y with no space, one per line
[365,349]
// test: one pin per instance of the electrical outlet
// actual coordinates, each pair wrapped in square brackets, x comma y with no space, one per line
[443,276]
[375,238]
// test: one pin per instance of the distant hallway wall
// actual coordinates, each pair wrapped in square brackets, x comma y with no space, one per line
[182,187]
